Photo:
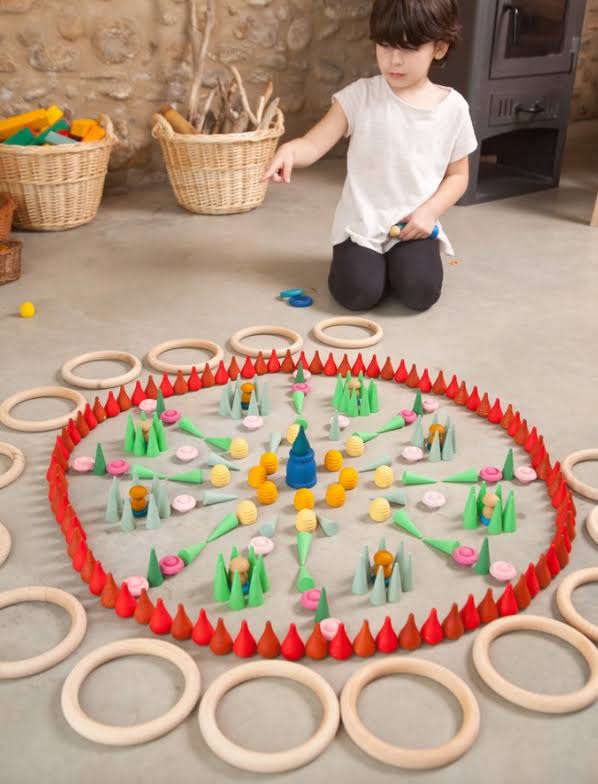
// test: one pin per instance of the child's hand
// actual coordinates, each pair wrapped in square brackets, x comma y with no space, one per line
[280,167]
[419,225]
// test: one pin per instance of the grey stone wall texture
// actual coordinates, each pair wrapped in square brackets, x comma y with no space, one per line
[128,57]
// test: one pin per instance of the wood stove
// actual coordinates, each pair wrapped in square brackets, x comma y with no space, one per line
[516,68]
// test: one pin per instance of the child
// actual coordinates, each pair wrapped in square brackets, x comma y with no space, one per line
[407,160]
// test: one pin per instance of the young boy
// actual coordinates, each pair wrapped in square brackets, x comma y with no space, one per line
[407,161]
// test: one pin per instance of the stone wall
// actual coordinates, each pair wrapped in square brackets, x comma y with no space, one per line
[128,57]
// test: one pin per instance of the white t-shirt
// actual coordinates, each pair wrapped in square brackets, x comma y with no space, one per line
[398,155]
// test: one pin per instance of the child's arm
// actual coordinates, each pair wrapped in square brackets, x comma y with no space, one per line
[420,224]
[310,148]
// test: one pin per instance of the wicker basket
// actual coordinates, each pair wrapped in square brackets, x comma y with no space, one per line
[7,208]
[218,174]
[56,187]
[10,261]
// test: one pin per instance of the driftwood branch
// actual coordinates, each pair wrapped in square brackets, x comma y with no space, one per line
[269,115]
[263,101]
[246,106]
[199,49]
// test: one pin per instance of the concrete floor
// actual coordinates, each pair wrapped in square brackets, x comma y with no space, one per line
[517,317]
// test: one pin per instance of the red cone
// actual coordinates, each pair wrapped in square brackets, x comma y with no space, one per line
[292,647]
[161,621]
[387,640]
[330,368]
[194,381]
[268,646]
[507,603]
[203,629]
[182,627]
[431,632]
[470,615]
[340,646]
[125,603]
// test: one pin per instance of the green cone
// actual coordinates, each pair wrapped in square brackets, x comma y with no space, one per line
[480,500]
[417,439]
[152,519]
[298,400]
[192,477]
[407,575]
[219,443]
[330,527]
[470,475]
[365,436]
[448,452]
[187,426]
[446,546]
[224,406]
[227,524]
[301,445]
[139,446]
[221,589]
[435,455]
[189,554]
[129,436]
[127,521]
[261,570]
[233,553]
[400,558]
[304,580]
[495,526]
[417,403]
[265,406]
[410,478]
[470,513]
[322,610]
[214,459]
[482,565]
[251,557]
[507,469]
[401,518]
[160,404]
[338,392]
[509,517]
[304,539]
[343,405]
[236,410]
[397,497]
[453,434]
[373,397]
[142,472]
[498,491]
[378,594]
[211,497]
[236,600]
[394,586]
[154,573]
[114,504]
[153,449]
[364,404]
[360,584]
[253,408]
[380,461]
[353,407]
[396,423]
[275,439]
[335,429]
[268,527]
[381,544]
[255,597]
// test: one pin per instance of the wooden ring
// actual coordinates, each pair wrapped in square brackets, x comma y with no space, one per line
[592,524]
[543,703]
[575,484]
[265,329]
[565,604]
[130,735]
[412,759]
[5,543]
[35,664]
[169,345]
[18,463]
[257,761]
[100,383]
[42,425]
[350,321]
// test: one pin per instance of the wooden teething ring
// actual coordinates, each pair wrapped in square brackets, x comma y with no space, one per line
[18,463]
[565,603]
[412,759]
[27,426]
[169,345]
[349,321]
[257,761]
[35,664]
[592,524]
[5,543]
[129,735]
[543,703]
[100,383]
[265,329]
[575,484]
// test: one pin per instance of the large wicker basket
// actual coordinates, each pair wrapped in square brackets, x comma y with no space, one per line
[218,174]
[56,187]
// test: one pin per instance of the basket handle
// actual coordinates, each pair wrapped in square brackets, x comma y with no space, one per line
[107,125]
[162,128]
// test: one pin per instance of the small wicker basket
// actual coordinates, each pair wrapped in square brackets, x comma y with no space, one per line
[10,261]
[56,187]
[218,174]
[7,208]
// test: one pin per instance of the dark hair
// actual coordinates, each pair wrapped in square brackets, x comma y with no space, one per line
[412,23]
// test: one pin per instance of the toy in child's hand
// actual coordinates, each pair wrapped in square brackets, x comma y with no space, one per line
[398,228]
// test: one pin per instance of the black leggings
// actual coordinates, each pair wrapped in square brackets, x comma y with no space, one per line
[360,277]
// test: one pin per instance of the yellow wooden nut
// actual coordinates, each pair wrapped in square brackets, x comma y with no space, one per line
[247,388]
[246,512]
[304,499]
[306,520]
[349,478]
[354,383]
[241,565]
[257,476]
[267,493]
[487,512]
[383,477]
[239,448]
[335,495]
[354,446]
[384,559]
[490,499]
[379,510]
[333,460]
[270,462]
[220,475]
[292,433]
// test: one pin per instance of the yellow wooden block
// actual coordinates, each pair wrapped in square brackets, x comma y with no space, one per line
[35,120]
[81,125]
[54,114]
[95,134]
